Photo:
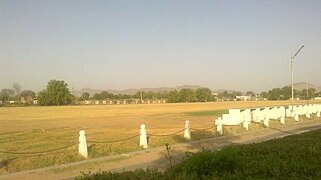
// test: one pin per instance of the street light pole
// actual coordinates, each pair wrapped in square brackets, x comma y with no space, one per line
[307,84]
[292,61]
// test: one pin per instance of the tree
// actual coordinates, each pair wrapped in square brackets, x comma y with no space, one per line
[311,93]
[264,95]
[204,95]
[173,96]
[286,92]
[28,96]
[6,94]
[57,93]
[275,94]
[85,95]
[97,96]
[17,88]
[106,95]
[27,93]
[187,95]
[250,93]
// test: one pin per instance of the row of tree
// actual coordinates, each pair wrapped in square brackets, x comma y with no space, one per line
[15,94]
[285,93]
[183,95]
[57,93]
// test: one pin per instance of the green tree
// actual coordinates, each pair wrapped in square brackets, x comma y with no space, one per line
[187,95]
[264,94]
[311,93]
[204,95]
[286,92]
[27,93]
[28,96]
[97,96]
[7,94]
[85,95]
[275,94]
[106,95]
[250,93]
[57,93]
[173,96]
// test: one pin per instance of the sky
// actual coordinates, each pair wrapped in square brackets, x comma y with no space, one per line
[110,44]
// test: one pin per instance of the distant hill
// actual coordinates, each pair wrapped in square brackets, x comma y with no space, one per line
[302,85]
[223,90]
[92,92]
[299,86]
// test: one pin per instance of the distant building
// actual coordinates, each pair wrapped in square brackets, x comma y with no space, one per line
[243,98]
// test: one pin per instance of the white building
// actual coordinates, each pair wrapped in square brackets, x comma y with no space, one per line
[317,98]
[243,98]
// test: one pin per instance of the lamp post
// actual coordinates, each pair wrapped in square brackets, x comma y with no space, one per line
[292,61]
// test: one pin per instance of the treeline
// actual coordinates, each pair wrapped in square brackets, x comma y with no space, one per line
[285,93]
[183,95]
[16,94]
[57,93]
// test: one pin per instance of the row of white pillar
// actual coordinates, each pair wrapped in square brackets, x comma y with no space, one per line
[246,116]
[233,118]
[142,139]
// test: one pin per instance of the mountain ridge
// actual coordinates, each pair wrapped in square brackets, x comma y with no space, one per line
[131,91]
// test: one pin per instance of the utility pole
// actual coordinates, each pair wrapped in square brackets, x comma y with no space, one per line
[141,96]
[306,79]
[292,61]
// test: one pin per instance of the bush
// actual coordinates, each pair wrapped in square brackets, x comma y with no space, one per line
[138,174]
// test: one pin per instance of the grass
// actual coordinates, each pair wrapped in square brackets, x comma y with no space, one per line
[208,113]
[44,128]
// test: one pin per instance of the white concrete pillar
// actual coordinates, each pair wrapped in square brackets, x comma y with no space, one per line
[246,125]
[219,125]
[266,122]
[318,114]
[282,120]
[143,137]
[296,117]
[83,144]
[288,112]
[308,115]
[187,131]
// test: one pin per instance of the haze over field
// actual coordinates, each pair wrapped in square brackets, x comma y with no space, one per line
[238,45]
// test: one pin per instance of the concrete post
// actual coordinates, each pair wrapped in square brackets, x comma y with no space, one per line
[282,120]
[187,131]
[143,137]
[219,125]
[83,144]
[296,117]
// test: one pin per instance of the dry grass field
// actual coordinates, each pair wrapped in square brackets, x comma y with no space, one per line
[37,129]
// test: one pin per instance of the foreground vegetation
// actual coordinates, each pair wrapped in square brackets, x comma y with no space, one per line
[292,157]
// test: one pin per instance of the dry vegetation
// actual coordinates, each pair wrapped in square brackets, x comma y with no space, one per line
[32,129]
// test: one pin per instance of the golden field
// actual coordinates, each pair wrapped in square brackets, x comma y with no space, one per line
[37,129]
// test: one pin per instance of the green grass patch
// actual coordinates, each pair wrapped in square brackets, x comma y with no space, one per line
[207,113]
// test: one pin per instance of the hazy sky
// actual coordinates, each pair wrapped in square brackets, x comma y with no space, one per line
[241,45]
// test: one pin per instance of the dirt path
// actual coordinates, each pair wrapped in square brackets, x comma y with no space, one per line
[154,158]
